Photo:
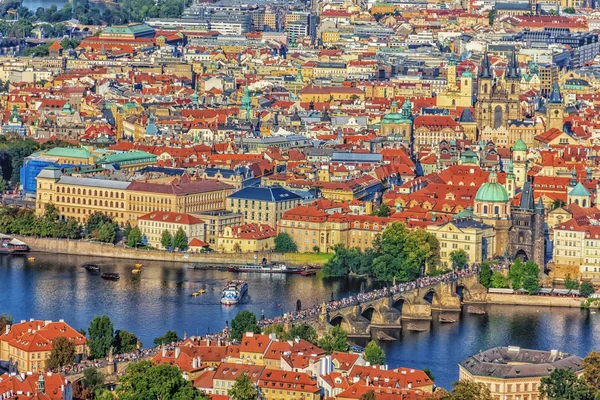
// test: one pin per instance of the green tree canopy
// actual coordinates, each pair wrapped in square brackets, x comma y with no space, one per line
[519,270]
[369,395]
[591,370]
[469,390]
[459,258]
[498,280]
[586,289]
[563,384]
[571,283]
[382,211]
[134,238]
[243,322]
[303,331]
[180,240]
[93,379]
[146,381]
[243,389]
[531,283]
[374,353]
[334,340]
[63,353]
[485,274]
[169,337]
[166,239]
[285,244]
[125,342]
[107,233]
[100,334]
[5,319]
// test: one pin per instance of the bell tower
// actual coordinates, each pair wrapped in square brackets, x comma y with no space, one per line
[555,109]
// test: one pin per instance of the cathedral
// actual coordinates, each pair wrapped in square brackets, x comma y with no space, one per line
[455,95]
[497,98]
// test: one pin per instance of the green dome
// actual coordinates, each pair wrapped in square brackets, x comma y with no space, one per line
[392,118]
[520,146]
[492,192]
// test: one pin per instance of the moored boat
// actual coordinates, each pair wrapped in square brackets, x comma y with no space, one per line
[233,292]
[308,272]
[264,268]
[110,276]
[136,271]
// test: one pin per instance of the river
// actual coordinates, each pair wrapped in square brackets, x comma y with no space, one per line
[55,287]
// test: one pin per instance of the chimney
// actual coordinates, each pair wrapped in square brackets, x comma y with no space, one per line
[164,351]
[7,330]
[177,352]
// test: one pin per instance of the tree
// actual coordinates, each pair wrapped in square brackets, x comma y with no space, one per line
[243,389]
[107,233]
[491,17]
[485,274]
[134,238]
[166,239]
[180,241]
[316,249]
[403,254]
[586,289]
[145,380]
[63,353]
[95,221]
[519,270]
[169,337]
[334,340]
[558,203]
[428,373]
[382,211]
[243,322]
[125,342]
[469,390]
[277,329]
[93,379]
[591,370]
[5,319]
[499,281]
[374,353]
[369,395]
[100,333]
[531,284]
[459,258]
[568,10]
[563,384]
[285,244]
[304,331]
[571,284]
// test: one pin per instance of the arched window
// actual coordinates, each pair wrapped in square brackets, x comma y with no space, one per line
[68,190]
[513,89]
[95,193]
[496,210]
[485,209]
[111,204]
[95,202]
[84,192]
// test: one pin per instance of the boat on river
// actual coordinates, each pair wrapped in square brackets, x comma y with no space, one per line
[233,292]
[110,276]
[264,268]
[93,268]
[10,245]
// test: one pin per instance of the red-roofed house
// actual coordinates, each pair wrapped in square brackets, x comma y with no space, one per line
[30,386]
[152,226]
[29,343]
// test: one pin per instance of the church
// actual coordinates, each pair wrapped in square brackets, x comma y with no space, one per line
[455,95]
[497,98]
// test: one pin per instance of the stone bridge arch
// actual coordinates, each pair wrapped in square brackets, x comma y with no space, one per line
[339,319]
[373,314]
[472,290]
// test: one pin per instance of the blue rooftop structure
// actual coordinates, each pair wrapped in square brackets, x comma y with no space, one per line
[272,194]
[357,157]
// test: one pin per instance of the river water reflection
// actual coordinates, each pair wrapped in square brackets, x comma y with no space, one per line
[55,287]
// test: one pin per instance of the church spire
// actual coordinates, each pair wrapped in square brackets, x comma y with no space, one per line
[486,68]
[555,97]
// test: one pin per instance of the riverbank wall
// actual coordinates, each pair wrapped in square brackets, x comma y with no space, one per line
[537,301]
[94,249]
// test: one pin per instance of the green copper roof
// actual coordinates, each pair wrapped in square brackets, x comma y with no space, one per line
[492,192]
[520,146]
[466,213]
[68,152]
[127,156]
[579,191]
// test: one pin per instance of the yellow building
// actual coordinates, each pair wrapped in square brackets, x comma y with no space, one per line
[475,238]
[456,96]
[29,343]
[80,197]
[512,373]
[287,385]
[152,226]
[322,94]
[262,205]
[247,238]
[225,376]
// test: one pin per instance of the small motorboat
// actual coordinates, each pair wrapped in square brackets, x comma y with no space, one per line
[308,272]
[110,276]
[201,291]
[136,271]
[31,258]
[138,265]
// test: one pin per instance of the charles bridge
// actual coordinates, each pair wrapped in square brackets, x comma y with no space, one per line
[413,307]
